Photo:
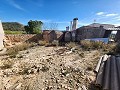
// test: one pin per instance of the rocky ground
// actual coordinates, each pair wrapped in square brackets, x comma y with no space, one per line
[49,68]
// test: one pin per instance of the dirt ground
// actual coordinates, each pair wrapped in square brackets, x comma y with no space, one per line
[49,68]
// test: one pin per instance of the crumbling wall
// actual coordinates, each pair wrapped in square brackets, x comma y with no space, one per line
[1,36]
[89,32]
[117,37]
[49,35]
[68,36]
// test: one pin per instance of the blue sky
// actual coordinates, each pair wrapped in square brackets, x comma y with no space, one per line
[61,11]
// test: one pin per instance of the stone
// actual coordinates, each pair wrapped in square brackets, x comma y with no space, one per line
[79,88]
[1,36]
[84,87]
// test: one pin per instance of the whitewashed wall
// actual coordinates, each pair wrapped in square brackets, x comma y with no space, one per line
[1,36]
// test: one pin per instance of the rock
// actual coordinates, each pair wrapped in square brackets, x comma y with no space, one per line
[79,88]
[19,86]
[84,87]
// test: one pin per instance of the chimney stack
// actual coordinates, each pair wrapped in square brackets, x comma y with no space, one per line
[67,28]
[71,23]
[75,24]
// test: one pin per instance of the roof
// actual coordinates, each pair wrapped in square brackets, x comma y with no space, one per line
[104,25]
[115,29]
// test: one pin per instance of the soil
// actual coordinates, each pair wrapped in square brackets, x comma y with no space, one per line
[49,68]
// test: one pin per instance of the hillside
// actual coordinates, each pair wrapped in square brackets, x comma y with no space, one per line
[13,26]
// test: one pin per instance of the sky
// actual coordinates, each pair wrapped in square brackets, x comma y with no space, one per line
[61,11]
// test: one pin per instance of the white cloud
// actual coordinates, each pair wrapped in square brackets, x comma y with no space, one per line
[14,4]
[117,18]
[100,13]
[106,15]
[111,15]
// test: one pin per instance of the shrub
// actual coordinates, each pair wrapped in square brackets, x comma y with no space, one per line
[87,44]
[109,47]
[13,32]
[71,45]
[55,43]
[116,49]
[6,64]
[42,43]
[14,50]
[24,68]
[97,44]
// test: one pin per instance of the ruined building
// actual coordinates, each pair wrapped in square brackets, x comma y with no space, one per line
[94,30]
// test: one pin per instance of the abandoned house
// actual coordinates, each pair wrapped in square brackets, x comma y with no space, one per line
[94,30]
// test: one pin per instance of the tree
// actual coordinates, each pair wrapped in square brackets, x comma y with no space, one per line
[33,27]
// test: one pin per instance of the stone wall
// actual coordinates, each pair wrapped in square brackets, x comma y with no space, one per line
[90,32]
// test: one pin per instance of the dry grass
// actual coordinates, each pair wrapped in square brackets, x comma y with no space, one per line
[55,43]
[42,43]
[24,68]
[116,49]
[97,45]
[14,50]
[47,44]
[71,45]
[87,44]
[5,64]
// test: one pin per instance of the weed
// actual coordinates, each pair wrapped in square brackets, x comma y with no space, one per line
[6,64]
[42,43]
[70,45]
[13,51]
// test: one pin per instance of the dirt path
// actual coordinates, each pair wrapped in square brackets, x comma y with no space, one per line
[49,68]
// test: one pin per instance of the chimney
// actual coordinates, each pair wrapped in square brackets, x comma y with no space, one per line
[71,23]
[67,28]
[75,23]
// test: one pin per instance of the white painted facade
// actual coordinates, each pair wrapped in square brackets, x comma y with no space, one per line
[1,36]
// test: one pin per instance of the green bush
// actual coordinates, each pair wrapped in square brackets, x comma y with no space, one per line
[13,26]
[33,27]
[13,32]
